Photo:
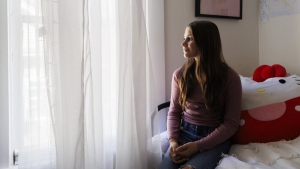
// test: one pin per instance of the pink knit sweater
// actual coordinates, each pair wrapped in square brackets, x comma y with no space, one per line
[196,112]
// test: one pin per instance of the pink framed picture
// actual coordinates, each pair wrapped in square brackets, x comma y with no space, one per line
[231,9]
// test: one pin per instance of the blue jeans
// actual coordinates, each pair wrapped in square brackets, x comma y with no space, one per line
[207,159]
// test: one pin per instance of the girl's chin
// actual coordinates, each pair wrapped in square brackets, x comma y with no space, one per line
[187,56]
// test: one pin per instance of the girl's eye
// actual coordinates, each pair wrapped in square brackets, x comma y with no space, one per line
[187,38]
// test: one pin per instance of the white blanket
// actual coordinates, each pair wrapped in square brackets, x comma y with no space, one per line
[278,155]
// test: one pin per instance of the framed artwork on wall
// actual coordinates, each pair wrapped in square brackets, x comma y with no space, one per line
[230,9]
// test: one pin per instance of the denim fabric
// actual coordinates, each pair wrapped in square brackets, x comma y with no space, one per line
[190,132]
[207,159]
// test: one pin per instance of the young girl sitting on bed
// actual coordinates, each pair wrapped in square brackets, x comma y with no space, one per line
[205,102]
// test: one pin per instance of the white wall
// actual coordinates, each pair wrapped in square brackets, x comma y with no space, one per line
[279,42]
[4,126]
[239,37]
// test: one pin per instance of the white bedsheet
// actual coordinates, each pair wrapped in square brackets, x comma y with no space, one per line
[278,155]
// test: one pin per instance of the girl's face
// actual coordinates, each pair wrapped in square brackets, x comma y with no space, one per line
[190,49]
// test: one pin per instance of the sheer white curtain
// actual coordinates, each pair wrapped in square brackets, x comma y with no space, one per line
[100,82]
[87,82]
[32,124]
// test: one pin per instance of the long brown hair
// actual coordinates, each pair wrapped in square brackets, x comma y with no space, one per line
[212,65]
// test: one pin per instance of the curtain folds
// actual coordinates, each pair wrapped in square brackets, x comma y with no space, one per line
[88,85]
[33,134]
[100,83]
[135,86]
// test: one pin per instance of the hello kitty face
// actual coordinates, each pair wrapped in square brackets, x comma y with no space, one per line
[272,90]
[270,110]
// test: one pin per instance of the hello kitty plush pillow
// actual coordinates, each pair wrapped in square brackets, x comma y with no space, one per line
[270,110]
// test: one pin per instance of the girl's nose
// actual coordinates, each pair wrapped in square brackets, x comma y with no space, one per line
[183,43]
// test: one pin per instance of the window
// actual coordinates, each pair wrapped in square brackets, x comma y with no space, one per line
[37,145]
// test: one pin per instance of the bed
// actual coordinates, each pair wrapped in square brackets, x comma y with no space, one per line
[278,155]
[269,131]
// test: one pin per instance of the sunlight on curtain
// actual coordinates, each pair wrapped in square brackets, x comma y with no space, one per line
[88,87]
[37,149]
[105,85]
[136,90]
[63,46]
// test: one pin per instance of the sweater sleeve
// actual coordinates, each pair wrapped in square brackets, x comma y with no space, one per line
[233,101]
[175,111]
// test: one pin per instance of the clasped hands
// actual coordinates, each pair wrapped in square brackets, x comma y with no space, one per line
[180,154]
